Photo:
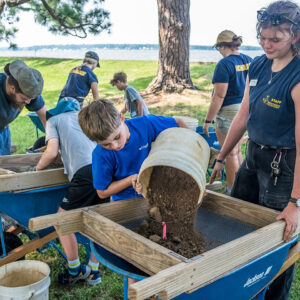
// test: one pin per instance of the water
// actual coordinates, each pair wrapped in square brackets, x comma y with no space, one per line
[118,54]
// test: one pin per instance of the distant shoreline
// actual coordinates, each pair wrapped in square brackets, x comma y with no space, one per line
[118,46]
[146,54]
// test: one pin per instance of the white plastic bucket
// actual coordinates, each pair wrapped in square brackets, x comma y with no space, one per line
[191,123]
[179,148]
[26,279]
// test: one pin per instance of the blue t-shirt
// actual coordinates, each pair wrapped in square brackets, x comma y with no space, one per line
[7,111]
[233,70]
[271,119]
[110,165]
[79,83]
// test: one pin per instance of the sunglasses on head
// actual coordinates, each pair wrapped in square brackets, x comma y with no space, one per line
[275,19]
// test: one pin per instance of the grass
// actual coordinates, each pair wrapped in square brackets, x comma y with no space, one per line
[140,74]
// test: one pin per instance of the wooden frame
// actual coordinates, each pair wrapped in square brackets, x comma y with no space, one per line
[28,180]
[171,275]
[24,181]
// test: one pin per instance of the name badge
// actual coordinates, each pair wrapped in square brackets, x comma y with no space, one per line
[253,82]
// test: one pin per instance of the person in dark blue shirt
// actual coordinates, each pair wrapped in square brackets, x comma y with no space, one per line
[19,86]
[122,146]
[82,79]
[270,111]
[229,82]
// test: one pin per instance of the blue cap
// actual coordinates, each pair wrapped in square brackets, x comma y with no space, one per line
[63,105]
[92,55]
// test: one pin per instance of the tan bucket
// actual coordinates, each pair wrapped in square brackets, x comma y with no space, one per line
[191,123]
[26,279]
[179,148]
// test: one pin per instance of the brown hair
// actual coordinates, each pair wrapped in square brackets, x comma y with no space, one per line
[121,76]
[235,44]
[11,80]
[99,120]
[290,12]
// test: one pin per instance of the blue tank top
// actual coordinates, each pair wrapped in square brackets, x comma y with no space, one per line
[233,70]
[271,118]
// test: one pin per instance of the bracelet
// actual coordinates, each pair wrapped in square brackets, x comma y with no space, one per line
[207,121]
[220,161]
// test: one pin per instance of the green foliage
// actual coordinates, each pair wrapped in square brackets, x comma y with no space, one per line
[63,17]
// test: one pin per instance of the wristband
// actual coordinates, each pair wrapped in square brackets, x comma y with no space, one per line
[207,121]
[220,161]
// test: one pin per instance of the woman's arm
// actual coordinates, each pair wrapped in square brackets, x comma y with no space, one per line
[220,90]
[291,212]
[235,133]
[94,87]
[116,187]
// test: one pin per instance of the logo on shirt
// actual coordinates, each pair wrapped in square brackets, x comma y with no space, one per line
[143,147]
[272,102]
[77,71]
[240,68]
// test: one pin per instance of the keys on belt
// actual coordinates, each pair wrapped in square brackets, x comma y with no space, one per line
[275,172]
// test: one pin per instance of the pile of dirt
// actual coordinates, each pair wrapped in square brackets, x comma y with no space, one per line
[173,198]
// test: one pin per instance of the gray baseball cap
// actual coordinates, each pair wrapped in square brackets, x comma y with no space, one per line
[93,55]
[30,80]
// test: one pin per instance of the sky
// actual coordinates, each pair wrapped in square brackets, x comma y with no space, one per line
[136,22]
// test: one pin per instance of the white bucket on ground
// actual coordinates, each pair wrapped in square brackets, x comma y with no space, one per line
[179,148]
[26,279]
[191,123]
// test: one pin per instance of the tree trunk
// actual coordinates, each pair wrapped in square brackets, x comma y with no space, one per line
[174,40]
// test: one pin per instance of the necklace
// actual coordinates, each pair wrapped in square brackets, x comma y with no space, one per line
[273,77]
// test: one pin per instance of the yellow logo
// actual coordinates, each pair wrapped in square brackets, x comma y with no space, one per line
[272,103]
[78,71]
[240,68]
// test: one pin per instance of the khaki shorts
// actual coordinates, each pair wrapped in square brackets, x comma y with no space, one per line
[225,116]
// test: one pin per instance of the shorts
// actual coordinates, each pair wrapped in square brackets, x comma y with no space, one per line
[81,192]
[5,141]
[225,116]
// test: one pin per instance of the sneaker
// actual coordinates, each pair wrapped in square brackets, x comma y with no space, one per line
[66,278]
[94,278]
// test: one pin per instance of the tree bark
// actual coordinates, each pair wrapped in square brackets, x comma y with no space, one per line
[174,40]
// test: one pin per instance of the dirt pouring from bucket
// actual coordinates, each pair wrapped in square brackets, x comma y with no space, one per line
[173,200]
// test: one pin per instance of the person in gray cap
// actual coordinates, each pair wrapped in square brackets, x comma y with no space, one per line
[82,79]
[19,86]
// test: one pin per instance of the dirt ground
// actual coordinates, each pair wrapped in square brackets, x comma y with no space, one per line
[173,199]
[165,102]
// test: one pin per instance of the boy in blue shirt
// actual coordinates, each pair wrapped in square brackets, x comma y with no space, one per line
[82,79]
[134,103]
[122,146]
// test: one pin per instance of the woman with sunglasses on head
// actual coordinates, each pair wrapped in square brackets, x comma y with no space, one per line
[270,111]
[229,82]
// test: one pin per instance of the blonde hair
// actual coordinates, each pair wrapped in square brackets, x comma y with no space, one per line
[99,120]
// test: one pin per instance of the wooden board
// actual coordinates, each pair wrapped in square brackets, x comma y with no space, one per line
[29,180]
[143,253]
[237,209]
[213,264]
[102,224]
[19,252]
[11,161]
